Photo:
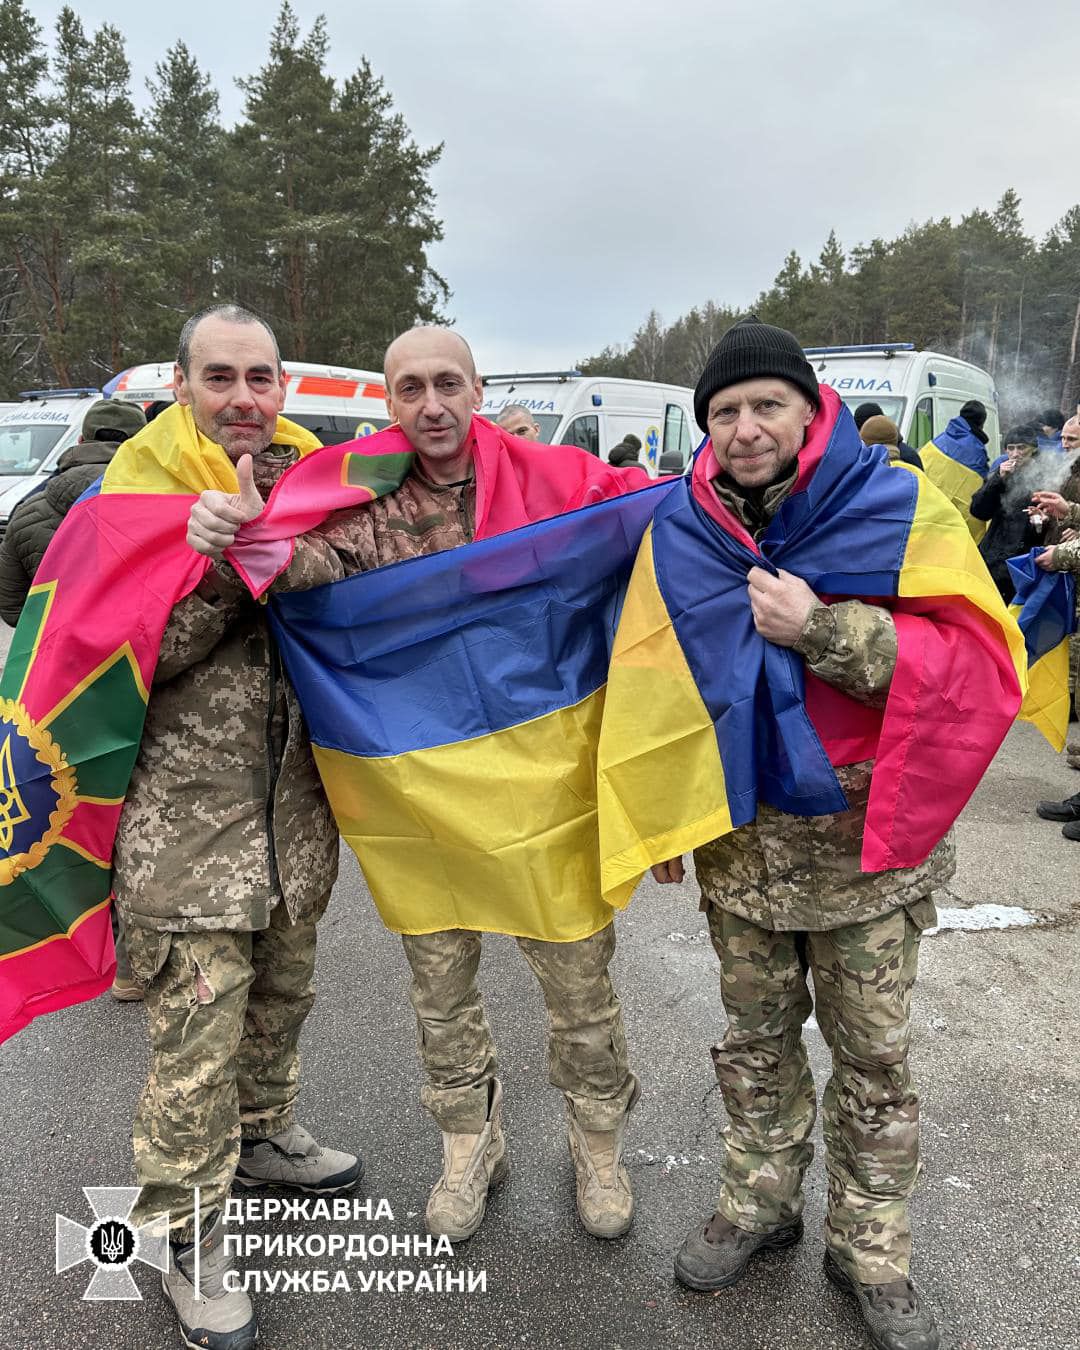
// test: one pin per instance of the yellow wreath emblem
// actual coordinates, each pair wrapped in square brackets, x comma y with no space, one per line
[12,808]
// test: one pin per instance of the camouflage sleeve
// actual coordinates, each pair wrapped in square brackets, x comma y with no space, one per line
[1072,517]
[199,622]
[1067,556]
[851,645]
[343,544]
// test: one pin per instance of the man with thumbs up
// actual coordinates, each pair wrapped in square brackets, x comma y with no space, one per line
[224,859]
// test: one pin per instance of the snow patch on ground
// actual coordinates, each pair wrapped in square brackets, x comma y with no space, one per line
[984,916]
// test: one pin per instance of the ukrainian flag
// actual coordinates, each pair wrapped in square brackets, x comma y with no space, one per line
[704,717]
[454,704]
[956,463]
[1045,609]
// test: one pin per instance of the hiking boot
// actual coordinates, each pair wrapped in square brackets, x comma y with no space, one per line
[127,990]
[716,1256]
[293,1159]
[605,1202]
[1069,809]
[891,1312]
[1072,830]
[472,1165]
[213,1319]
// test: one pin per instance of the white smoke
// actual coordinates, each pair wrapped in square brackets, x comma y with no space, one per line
[1045,471]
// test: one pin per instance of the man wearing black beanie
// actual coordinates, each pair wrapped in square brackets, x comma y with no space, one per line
[786,893]
[974,414]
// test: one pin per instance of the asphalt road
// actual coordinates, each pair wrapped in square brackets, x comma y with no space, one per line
[996,1216]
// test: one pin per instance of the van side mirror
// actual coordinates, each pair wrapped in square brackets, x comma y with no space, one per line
[671,461]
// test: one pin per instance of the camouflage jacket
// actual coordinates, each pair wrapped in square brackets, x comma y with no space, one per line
[225,813]
[802,873]
[1067,556]
[417,519]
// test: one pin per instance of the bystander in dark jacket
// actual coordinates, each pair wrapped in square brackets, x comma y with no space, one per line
[1003,501]
[37,518]
[627,452]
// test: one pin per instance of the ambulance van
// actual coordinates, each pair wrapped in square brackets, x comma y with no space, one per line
[336,403]
[595,413]
[34,433]
[919,391]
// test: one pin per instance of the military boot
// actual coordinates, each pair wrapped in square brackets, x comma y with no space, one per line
[472,1165]
[1068,810]
[294,1160]
[605,1202]
[127,990]
[716,1256]
[892,1313]
[213,1319]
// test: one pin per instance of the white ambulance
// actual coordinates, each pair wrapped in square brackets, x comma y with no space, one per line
[919,391]
[595,413]
[34,433]
[336,403]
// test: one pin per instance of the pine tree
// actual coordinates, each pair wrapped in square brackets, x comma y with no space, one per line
[24,143]
[180,199]
[328,211]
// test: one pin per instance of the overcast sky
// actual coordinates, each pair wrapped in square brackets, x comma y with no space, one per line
[606,157]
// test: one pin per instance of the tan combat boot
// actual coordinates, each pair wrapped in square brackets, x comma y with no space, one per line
[472,1164]
[605,1202]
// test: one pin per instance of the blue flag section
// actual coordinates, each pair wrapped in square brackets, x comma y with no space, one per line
[1044,604]
[454,703]
[1045,609]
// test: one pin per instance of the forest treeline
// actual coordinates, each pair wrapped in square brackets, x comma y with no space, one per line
[315,208]
[981,288]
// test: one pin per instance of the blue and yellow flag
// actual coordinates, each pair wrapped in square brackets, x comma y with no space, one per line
[454,705]
[956,463]
[1045,609]
[704,718]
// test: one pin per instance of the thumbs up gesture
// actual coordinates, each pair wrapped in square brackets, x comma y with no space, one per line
[216,516]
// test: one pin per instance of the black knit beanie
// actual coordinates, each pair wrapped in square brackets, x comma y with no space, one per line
[974,414]
[747,351]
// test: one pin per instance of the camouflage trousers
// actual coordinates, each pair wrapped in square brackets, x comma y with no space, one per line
[123,965]
[863,976]
[225,1011]
[586,1046]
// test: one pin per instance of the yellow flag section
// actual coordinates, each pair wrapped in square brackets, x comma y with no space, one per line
[462,818]
[1046,704]
[171,455]
[941,560]
[658,746]
[956,481]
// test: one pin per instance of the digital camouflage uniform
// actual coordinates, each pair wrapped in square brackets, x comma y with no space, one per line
[224,859]
[784,896]
[1067,559]
[588,1057]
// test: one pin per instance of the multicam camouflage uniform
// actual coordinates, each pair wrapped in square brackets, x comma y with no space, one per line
[1067,559]
[787,895]
[588,1059]
[225,856]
